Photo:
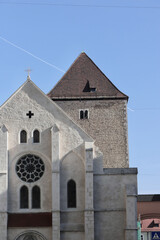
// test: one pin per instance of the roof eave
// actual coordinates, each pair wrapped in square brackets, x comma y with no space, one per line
[89,98]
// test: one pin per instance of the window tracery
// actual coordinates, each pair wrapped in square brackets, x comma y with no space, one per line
[30,168]
[31,236]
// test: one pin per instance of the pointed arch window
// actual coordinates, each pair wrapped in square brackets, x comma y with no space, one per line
[23,136]
[71,194]
[36,197]
[36,136]
[24,197]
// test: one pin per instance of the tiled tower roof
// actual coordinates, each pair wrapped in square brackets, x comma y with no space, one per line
[85,80]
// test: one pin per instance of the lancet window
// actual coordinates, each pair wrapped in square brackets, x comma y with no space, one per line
[71,194]
[36,136]
[23,136]
[24,197]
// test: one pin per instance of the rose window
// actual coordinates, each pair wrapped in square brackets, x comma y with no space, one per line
[30,168]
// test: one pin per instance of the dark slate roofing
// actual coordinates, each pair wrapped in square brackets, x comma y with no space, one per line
[148,198]
[85,80]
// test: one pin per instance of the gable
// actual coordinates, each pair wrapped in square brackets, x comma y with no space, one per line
[30,99]
[85,80]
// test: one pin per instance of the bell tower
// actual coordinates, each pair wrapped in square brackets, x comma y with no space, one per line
[95,104]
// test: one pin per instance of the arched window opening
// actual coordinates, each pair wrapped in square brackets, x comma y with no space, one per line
[24,197]
[81,114]
[86,114]
[23,136]
[36,136]
[36,197]
[71,194]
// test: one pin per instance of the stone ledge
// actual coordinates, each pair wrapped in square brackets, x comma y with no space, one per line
[110,210]
[73,210]
[132,195]
[131,229]
[88,98]
[118,171]
[3,172]
[72,227]
[89,171]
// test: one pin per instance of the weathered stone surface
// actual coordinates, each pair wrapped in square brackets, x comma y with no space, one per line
[107,125]
[104,197]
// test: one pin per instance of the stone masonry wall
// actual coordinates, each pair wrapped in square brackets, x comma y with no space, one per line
[115,204]
[107,125]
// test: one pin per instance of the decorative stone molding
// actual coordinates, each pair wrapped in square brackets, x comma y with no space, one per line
[31,235]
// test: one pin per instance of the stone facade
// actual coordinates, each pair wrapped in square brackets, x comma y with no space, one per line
[63,172]
[107,125]
[98,107]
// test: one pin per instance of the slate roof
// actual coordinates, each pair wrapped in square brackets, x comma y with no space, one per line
[85,80]
[148,198]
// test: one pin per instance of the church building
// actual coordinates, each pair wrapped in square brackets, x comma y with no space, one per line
[64,162]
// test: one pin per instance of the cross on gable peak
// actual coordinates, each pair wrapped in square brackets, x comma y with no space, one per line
[28,70]
[29,114]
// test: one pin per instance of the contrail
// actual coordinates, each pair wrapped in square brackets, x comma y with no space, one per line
[130,109]
[29,53]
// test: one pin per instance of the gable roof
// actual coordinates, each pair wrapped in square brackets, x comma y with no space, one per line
[35,93]
[85,80]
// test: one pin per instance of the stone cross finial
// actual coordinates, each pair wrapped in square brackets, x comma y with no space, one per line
[28,71]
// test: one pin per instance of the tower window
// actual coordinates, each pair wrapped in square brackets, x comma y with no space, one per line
[84,114]
[36,136]
[23,136]
[24,197]
[36,197]
[81,114]
[71,194]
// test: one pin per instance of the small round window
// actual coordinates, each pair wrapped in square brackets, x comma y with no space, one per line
[30,168]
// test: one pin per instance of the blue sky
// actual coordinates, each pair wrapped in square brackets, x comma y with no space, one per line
[121,37]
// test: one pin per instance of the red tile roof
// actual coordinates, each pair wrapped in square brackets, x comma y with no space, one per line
[148,225]
[85,80]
